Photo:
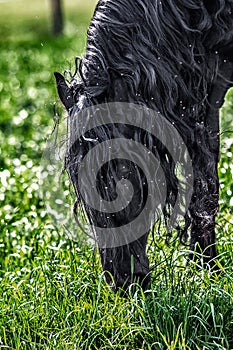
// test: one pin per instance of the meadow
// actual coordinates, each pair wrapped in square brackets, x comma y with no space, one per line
[52,291]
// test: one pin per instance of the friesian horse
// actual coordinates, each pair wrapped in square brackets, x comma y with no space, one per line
[171,56]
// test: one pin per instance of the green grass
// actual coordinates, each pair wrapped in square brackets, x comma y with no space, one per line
[21,19]
[52,292]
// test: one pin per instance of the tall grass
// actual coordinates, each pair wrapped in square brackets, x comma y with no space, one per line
[52,291]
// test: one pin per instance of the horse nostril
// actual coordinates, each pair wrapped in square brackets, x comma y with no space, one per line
[141,278]
[123,284]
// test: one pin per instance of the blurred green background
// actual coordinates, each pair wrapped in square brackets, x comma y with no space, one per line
[21,19]
[52,292]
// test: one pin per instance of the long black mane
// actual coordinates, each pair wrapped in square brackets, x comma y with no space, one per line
[164,53]
[167,55]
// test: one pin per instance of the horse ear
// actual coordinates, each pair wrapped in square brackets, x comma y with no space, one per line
[64,91]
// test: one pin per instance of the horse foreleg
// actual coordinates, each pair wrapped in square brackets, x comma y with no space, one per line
[205,201]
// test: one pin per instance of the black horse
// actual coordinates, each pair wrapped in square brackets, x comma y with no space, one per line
[176,58]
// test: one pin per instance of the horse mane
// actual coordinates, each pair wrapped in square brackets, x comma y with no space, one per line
[161,62]
[163,54]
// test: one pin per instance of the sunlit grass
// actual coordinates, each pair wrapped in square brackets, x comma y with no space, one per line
[52,291]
